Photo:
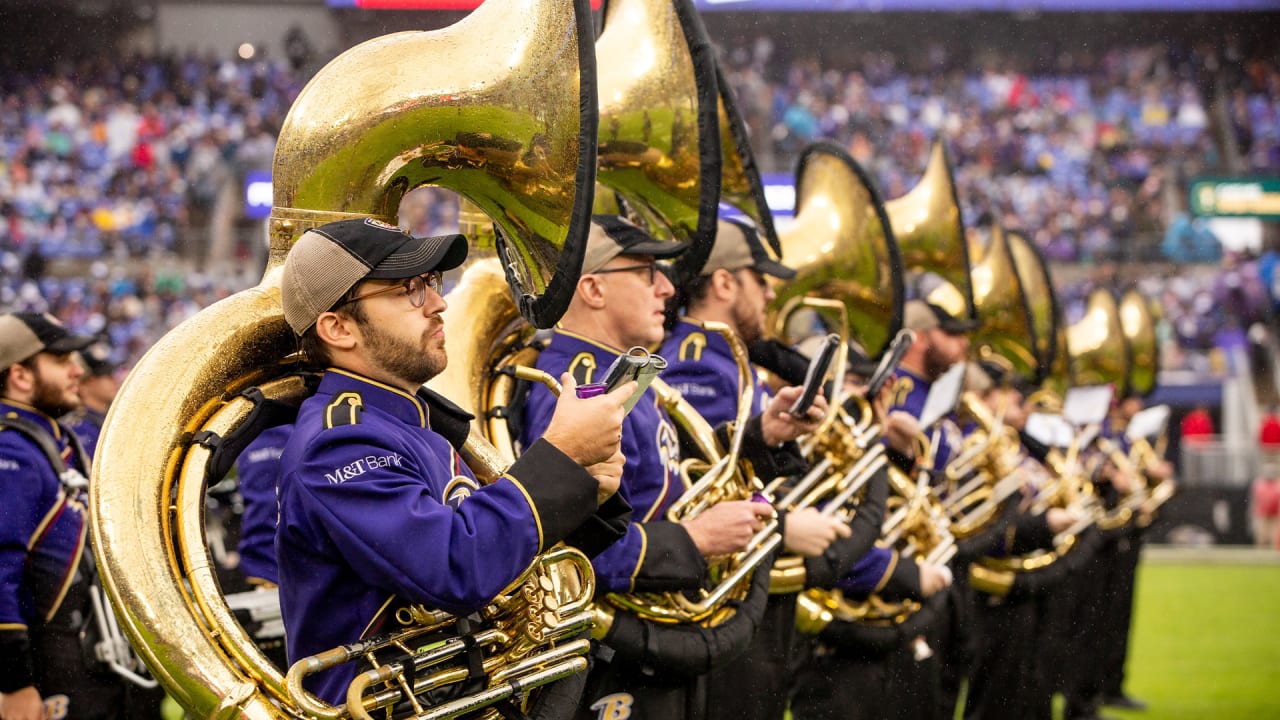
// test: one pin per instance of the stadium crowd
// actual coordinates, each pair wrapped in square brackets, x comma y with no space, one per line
[114,167]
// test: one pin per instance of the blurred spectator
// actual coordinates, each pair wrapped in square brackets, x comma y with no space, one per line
[1197,426]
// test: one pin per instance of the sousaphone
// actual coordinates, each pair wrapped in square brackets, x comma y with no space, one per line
[658,137]
[499,108]
[1007,327]
[1098,352]
[930,233]
[1042,301]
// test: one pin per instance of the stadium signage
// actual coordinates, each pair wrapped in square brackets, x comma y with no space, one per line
[1236,197]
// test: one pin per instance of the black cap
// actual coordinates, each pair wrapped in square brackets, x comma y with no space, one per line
[612,235]
[97,359]
[1002,374]
[859,362]
[23,335]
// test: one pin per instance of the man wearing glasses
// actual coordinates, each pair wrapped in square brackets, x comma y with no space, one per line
[620,303]
[377,509]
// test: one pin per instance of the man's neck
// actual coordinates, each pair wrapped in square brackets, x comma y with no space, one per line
[590,327]
[708,313]
[96,406]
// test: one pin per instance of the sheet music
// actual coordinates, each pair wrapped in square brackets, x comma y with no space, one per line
[1087,405]
[1148,423]
[1052,430]
[943,395]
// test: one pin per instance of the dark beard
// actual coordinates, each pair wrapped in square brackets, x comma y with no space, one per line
[747,324]
[935,364]
[402,359]
[49,400]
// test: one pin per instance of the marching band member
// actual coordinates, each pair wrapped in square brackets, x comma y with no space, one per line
[620,303]
[46,567]
[377,509]
[732,288]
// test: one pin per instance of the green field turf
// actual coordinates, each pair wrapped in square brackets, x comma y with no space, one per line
[1205,642]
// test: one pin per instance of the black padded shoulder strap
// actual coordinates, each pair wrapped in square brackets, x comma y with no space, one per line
[43,440]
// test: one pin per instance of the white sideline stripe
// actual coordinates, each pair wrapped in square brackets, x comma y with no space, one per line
[1224,555]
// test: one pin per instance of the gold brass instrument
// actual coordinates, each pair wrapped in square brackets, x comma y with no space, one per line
[842,246]
[1138,322]
[986,473]
[848,271]
[740,184]
[1007,328]
[916,525]
[1041,300]
[659,136]
[716,477]
[1139,329]
[452,108]
[927,226]
[1096,344]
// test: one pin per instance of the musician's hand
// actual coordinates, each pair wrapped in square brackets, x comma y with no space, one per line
[609,475]
[934,578]
[1122,481]
[778,426]
[901,431]
[1162,470]
[1059,519]
[808,532]
[727,527]
[588,430]
[24,704]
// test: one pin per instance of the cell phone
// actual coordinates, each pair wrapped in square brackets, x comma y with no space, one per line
[815,375]
[889,362]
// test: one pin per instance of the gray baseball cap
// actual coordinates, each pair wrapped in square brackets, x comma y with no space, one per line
[22,335]
[329,260]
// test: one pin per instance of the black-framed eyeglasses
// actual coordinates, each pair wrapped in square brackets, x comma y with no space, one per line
[652,269]
[755,274]
[415,288]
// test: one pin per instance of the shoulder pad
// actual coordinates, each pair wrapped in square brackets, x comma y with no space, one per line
[346,409]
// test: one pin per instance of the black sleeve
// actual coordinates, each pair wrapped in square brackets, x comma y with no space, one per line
[768,462]
[562,492]
[671,561]
[605,527]
[686,650]
[16,668]
[904,462]
[1035,448]
[987,541]
[904,581]
[840,556]
[1028,533]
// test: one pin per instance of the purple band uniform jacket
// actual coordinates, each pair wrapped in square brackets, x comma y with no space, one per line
[43,529]
[702,367]
[259,468]
[654,554]
[377,510]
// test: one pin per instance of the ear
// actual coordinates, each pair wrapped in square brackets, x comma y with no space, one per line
[724,286]
[337,331]
[20,381]
[591,291]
